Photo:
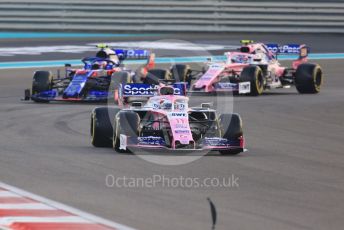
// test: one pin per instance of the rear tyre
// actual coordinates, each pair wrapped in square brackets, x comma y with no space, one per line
[181,73]
[154,76]
[126,123]
[102,126]
[42,81]
[205,69]
[117,79]
[254,75]
[308,78]
[231,127]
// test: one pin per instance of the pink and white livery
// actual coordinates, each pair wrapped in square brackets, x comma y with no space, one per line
[159,117]
[255,68]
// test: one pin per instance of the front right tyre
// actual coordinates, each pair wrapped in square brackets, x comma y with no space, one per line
[308,78]
[254,75]
[231,129]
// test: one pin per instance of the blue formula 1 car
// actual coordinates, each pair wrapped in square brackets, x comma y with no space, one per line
[95,82]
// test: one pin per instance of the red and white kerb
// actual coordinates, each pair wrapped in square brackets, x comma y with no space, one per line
[20,210]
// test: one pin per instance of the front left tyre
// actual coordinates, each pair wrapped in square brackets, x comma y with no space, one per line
[125,123]
[42,81]
[117,79]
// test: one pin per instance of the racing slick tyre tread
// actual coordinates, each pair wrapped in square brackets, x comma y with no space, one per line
[155,75]
[126,123]
[181,73]
[231,126]
[42,81]
[102,127]
[254,75]
[308,78]
[118,78]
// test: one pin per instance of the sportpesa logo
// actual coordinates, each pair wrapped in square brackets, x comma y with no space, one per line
[144,90]
[285,49]
[137,89]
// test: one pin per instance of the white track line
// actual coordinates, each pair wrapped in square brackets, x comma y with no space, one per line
[29,219]
[37,206]
[8,194]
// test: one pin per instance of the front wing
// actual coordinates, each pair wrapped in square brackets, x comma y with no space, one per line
[151,142]
[240,88]
[53,95]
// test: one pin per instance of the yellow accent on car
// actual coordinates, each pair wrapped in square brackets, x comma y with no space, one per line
[102,46]
[246,42]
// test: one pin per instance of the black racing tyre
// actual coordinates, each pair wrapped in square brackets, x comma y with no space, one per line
[139,75]
[42,81]
[117,79]
[308,78]
[231,152]
[254,75]
[205,69]
[126,123]
[102,126]
[155,75]
[181,73]
[121,77]
[231,128]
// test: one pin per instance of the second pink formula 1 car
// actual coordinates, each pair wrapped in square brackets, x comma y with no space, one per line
[255,68]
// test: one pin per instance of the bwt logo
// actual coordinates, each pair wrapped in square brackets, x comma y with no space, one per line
[181,126]
[178,115]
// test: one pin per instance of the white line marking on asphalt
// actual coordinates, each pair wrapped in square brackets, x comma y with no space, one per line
[8,194]
[37,206]
[29,219]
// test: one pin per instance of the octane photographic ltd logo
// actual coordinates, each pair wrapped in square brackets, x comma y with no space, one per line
[169,129]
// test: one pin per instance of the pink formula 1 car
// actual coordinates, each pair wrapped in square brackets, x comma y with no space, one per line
[164,121]
[255,68]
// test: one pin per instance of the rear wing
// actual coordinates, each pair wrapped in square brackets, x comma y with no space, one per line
[137,54]
[146,90]
[289,49]
[127,54]
[132,54]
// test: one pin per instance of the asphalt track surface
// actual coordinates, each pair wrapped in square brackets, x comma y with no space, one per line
[291,177]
